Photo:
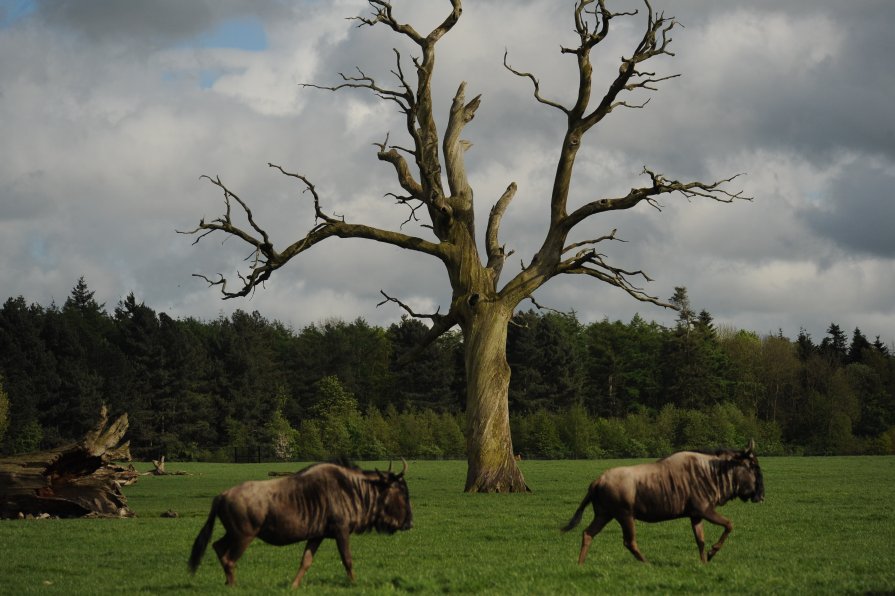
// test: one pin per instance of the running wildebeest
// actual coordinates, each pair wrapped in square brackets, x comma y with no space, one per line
[321,501]
[685,484]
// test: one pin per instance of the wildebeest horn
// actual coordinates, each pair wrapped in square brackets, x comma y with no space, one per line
[751,446]
[404,469]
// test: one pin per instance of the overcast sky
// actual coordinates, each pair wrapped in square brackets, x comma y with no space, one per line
[110,111]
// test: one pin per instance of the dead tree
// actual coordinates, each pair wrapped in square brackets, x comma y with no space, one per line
[73,480]
[480,305]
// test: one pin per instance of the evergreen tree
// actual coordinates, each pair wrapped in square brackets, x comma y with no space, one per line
[859,346]
[78,336]
[428,379]
[694,365]
[805,345]
[29,370]
[544,354]
[81,300]
[681,301]
[196,390]
[357,353]
[137,336]
[835,346]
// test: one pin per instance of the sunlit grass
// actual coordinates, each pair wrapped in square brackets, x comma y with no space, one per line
[827,526]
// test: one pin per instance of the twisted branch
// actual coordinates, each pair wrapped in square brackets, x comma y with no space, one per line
[660,185]
[265,259]
[440,324]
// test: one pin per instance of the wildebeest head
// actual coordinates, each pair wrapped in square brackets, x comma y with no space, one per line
[747,475]
[393,501]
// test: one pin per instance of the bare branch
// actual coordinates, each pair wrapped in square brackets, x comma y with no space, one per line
[655,41]
[406,201]
[225,219]
[264,259]
[660,185]
[382,13]
[402,169]
[589,262]
[536,84]
[542,307]
[434,316]
[455,148]
[496,252]
[318,212]
[610,236]
[404,98]
[440,325]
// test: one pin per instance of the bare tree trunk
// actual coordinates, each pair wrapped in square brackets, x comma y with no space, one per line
[489,446]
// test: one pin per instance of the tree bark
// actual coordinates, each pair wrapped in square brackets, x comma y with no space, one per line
[71,481]
[489,445]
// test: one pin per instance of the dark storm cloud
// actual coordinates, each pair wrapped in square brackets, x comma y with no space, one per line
[859,214]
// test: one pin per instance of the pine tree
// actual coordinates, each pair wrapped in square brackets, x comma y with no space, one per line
[859,344]
[835,346]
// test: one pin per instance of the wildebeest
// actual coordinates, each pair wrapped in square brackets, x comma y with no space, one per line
[685,484]
[321,501]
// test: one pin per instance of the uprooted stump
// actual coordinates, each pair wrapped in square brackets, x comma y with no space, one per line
[74,480]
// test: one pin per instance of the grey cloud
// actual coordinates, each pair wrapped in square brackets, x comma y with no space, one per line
[121,149]
[859,214]
[156,23]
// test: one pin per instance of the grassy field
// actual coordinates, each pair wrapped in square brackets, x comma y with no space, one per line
[827,526]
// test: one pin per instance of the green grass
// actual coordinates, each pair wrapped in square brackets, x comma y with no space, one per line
[827,526]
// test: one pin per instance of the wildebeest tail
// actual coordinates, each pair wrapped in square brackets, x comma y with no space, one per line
[201,542]
[576,519]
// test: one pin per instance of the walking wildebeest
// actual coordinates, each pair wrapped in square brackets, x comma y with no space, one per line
[321,501]
[685,484]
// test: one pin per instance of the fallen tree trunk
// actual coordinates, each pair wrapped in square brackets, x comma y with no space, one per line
[74,480]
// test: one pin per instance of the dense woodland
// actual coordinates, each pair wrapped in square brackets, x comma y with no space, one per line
[244,387]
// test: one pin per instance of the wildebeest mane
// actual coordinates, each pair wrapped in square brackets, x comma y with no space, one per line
[342,462]
[719,452]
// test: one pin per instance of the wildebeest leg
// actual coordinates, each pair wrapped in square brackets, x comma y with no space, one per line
[719,520]
[700,537]
[345,550]
[630,536]
[600,520]
[306,560]
[229,548]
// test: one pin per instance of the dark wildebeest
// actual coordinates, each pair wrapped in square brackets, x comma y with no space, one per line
[685,484]
[321,501]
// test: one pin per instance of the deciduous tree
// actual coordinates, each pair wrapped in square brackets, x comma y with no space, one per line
[431,174]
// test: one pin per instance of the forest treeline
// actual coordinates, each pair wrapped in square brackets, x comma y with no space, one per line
[247,387]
